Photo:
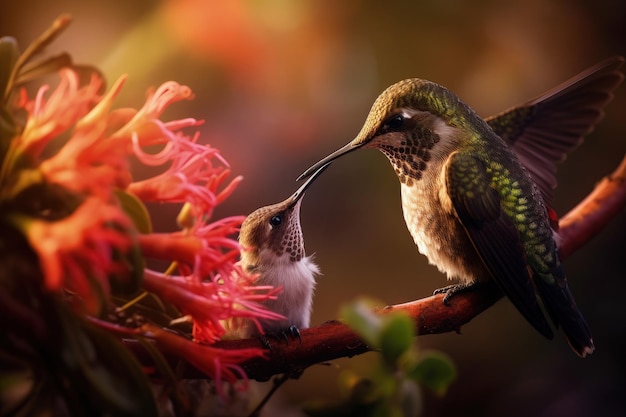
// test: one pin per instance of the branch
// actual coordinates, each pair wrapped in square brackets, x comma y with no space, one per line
[333,339]
[592,214]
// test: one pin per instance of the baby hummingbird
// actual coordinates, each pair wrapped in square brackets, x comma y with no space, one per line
[273,249]
[476,193]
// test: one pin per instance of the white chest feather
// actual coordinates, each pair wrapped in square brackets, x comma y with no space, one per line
[297,280]
[294,302]
[436,231]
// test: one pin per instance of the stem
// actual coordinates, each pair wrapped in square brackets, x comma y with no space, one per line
[36,47]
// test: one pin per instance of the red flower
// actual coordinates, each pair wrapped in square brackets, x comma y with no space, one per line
[81,253]
[78,252]
[88,161]
[50,117]
[220,364]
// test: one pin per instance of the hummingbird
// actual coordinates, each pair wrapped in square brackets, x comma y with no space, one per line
[273,250]
[476,193]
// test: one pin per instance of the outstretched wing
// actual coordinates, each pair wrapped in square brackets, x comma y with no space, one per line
[543,130]
[493,234]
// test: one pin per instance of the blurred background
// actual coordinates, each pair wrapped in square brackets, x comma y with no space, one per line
[282,83]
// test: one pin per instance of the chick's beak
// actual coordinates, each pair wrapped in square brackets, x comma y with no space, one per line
[312,176]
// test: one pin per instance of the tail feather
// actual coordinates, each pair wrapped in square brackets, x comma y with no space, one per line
[560,304]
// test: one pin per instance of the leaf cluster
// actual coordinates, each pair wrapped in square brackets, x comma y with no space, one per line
[392,386]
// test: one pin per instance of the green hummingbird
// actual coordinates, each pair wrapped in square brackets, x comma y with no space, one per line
[476,192]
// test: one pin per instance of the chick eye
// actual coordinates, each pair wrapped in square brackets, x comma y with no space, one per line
[395,122]
[276,220]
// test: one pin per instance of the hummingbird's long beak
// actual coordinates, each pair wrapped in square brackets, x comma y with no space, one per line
[330,158]
[297,196]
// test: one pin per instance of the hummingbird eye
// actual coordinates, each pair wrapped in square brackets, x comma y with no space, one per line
[276,220]
[395,122]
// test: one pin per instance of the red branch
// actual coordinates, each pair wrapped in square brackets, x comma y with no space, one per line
[333,339]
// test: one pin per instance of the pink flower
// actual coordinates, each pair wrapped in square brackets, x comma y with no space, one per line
[145,125]
[204,244]
[209,303]
[78,252]
[192,177]
[212,287]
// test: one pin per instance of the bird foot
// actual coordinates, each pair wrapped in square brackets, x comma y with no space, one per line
[290,332]
[452,290]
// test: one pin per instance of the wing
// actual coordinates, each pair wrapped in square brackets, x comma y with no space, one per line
[543,130]
[493,234]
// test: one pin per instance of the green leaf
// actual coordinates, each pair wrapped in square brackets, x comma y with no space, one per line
[85,72]
[360,317]
[9,52]
[106,378]
[136,210]
[33,70]
[435,371]
[396,337]
[128,282]
[41,42]
[8,129]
